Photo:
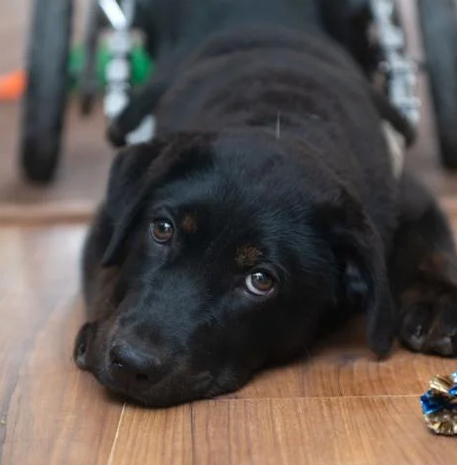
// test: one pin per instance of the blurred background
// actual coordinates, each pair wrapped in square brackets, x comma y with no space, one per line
[85,158]
[85,155]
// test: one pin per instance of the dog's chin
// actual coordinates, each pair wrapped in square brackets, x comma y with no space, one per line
[171,390]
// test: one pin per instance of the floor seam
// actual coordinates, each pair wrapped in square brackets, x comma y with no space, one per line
[113,446]
[368,396]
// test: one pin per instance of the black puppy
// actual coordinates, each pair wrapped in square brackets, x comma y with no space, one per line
[265,210]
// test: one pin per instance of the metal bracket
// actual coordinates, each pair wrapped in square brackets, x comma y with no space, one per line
[397,72]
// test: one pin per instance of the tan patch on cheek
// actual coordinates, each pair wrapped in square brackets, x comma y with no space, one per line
[189,223]
[247,256]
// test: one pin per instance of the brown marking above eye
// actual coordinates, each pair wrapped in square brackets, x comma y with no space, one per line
[247,256]
[189,223]
[437,263]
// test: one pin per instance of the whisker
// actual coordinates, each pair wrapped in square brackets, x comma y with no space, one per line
[278,125]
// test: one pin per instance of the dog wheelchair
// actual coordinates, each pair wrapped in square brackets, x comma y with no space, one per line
[370,29]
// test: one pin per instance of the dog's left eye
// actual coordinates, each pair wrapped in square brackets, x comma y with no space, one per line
[162,231]
[260,283]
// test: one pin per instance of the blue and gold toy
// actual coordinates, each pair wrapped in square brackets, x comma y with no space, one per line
[439,405]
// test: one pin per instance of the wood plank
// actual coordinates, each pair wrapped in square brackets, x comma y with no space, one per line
[347,375]
[318,431]
[158,437]
[48,213]
[51,413]
[55,414]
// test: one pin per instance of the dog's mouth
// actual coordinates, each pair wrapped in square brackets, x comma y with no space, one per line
[176,387]
[168,392]
[179,385]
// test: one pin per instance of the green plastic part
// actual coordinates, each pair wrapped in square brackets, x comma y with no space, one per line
[103,58]
[142,66]
[75,64]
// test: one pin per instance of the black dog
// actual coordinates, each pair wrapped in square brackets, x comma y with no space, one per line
[264,211]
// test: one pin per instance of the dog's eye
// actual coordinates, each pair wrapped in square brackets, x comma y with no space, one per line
[260,283]
[162,231]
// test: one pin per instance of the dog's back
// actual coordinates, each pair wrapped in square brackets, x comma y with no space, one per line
[184,24]
[267,64]
[291,84]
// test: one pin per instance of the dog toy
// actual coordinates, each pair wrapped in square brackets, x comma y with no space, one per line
[439,405]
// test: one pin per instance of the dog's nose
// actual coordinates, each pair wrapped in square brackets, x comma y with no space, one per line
[134,367]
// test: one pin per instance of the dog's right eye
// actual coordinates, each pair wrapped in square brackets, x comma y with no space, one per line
[260,283]
[162,230]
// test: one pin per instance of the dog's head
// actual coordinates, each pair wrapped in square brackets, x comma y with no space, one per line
[225,253]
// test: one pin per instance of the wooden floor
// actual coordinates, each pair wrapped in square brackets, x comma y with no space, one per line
[338,407]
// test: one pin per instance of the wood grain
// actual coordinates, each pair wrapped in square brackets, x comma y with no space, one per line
[50,412]
[352,430]
[337,406]
[45,213]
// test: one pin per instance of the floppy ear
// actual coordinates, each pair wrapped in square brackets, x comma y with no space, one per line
[127,186]
[359,252]
[134,172]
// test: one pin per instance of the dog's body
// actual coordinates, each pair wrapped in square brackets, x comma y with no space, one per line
[269,172]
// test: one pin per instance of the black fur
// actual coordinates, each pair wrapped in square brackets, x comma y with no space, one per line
[269,142]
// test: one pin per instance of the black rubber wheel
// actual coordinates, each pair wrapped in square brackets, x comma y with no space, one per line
[439,30]
[88,84]
[47,89]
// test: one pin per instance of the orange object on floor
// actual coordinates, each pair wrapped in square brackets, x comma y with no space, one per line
[12,85]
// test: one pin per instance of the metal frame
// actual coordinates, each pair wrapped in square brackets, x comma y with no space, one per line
[398,71]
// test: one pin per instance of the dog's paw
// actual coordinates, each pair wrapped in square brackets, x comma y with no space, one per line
[429,318]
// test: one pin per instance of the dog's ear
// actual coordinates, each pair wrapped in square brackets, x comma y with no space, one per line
[359,253]
[134,172]
[127,186]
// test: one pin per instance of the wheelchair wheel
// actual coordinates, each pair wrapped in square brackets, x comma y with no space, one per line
[439,30]
[47,89]
[88,79]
